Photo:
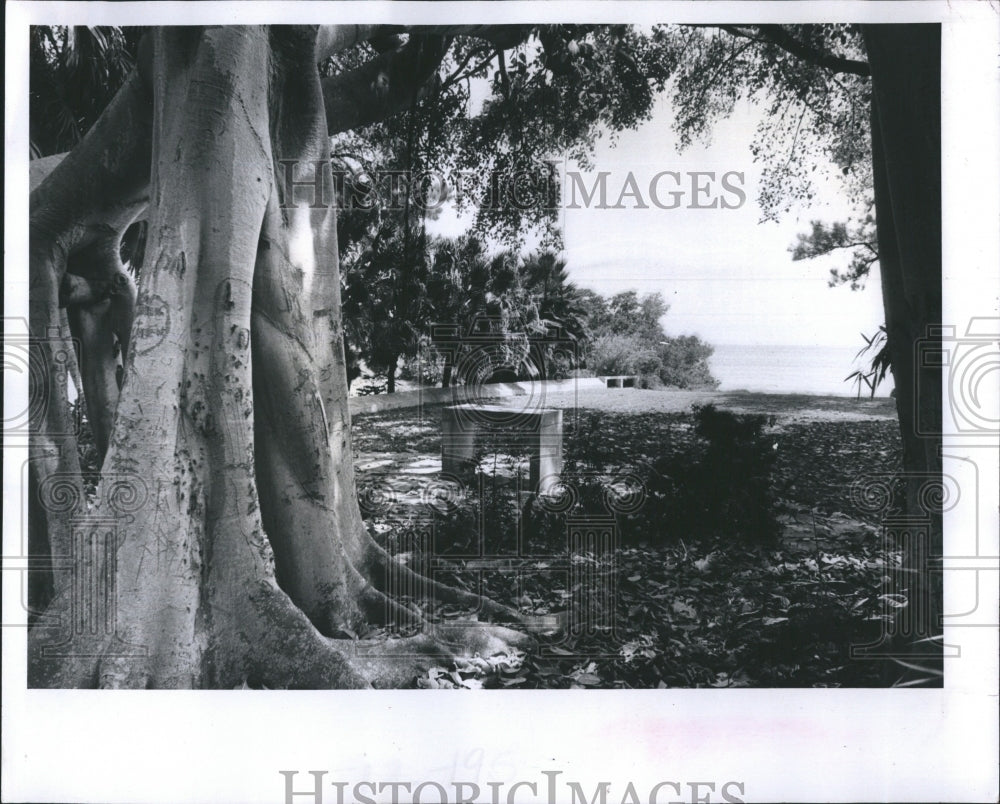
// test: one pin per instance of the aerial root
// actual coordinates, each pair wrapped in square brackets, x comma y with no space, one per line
[383,565]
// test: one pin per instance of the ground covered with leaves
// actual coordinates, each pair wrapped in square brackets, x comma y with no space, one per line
[684,547]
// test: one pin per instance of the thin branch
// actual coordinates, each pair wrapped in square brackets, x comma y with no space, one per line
[456,73]
[795,137]
[455,78]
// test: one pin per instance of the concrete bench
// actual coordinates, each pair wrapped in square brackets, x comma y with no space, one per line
[622,381]
[539,430]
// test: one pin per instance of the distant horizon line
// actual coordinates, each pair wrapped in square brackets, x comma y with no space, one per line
[776,343]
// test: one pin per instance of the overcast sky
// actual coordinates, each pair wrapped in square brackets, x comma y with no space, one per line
[727,277]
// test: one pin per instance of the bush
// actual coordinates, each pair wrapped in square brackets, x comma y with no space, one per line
[721,486]
[621,354]
[684,363]
[678,362]
[371,386]
[426,367]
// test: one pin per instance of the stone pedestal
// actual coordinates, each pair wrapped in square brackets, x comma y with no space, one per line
[538,430]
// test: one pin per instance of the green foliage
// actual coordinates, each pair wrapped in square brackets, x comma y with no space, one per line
[815,109]
[874,376]
[722,483]
[90,466]
[622,354]
[684,363]
[549,95]
[75,72]
[502,113]
[546,280]
[527,305]
[481,295]
[860,239]
[626,337]
[552,98]
[384,298]
[809,109]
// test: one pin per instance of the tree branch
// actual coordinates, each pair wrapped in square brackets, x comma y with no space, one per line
[385,85]
[830,61]
[502,37]
[504,79]
[458,75]
[777,35]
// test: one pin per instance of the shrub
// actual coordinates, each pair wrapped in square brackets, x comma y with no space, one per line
[684,363]
[425,366]
[721,486]
[621,354]
[371,386]
[677,362]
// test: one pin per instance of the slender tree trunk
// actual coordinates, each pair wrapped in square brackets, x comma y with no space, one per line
[391,374]
[906,147]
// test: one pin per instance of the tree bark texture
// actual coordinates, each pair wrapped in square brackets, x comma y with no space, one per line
[906,148]
[227,527]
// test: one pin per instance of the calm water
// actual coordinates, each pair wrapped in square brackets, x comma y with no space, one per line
[789,369]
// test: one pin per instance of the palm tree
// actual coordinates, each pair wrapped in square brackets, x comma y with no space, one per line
[559,302]
[75,72]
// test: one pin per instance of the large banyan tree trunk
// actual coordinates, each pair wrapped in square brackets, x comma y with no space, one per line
[905,63]
[226,543]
